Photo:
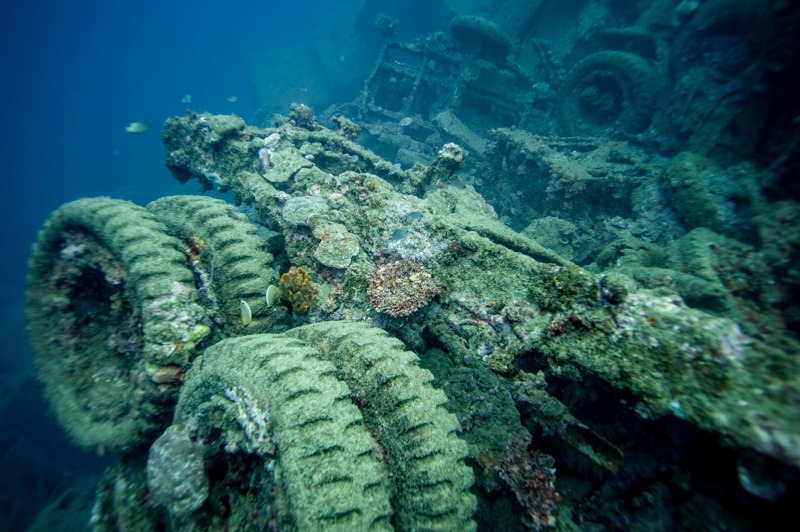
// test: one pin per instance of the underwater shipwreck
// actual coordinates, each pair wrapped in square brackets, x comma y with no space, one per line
[510,285]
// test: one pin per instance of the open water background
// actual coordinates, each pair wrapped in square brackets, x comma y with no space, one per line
[74,75]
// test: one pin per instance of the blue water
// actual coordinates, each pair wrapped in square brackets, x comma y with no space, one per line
[75,74]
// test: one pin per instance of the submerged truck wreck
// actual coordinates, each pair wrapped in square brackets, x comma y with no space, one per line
[517,282]
[349,345]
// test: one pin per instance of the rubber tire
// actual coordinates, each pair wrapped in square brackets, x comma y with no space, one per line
[407,413]
[631,75]
[325,458]
[232,259]
[105,276]
[477,32]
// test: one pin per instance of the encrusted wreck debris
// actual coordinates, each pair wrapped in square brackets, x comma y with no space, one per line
[521,306]
[504,310]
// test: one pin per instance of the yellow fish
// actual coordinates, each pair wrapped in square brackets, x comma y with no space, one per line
[271,295]
[247,315]
[138,128]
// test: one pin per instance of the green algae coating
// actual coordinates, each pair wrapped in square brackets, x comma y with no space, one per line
[337,246]
[299,210]
[110,296]
[228,258]
[407,413]
[507,297]
[325,465]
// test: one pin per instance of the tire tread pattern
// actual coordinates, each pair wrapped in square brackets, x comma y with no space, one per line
[432,481]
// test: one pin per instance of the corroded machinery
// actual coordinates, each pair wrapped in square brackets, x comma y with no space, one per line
[303,412]
[364,443]
[691,75]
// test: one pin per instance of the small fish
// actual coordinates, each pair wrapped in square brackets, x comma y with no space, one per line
[187,99]
[138,128]
[416,215]
[233,99]
[247,315]
[394,168]
[406,121]
[271,295]
[399,234]
[354,158]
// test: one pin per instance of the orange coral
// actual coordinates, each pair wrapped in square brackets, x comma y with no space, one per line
[298,290]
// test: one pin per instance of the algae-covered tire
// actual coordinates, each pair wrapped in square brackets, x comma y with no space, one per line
[417,433]
[607,92]
[475,32]
[113,321]
[273,405]
[229,259]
